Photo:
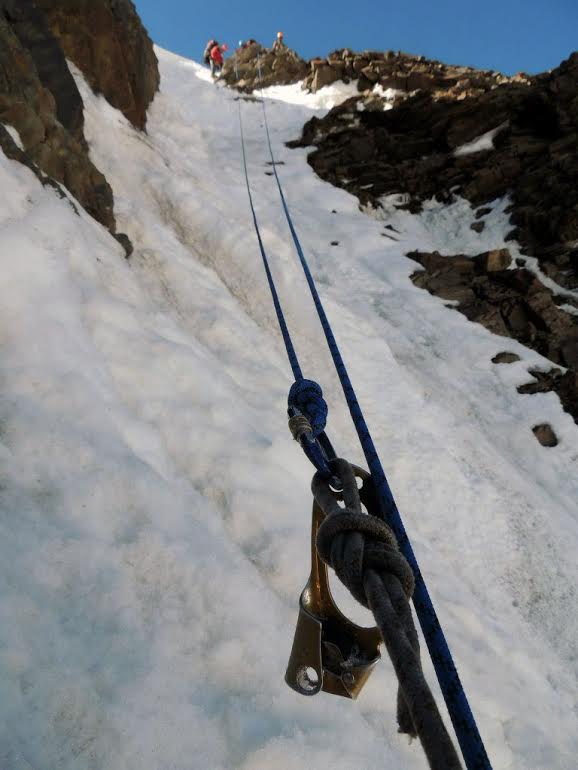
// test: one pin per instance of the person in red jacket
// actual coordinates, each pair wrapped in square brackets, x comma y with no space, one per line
[216,60]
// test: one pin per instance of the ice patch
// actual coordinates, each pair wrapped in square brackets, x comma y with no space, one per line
[324,99]
[15,135]
[481,143]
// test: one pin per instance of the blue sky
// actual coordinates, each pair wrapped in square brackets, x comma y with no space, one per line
[506,35]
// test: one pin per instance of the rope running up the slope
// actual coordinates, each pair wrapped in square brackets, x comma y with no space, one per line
[465,726]
[305,396]
[375,572]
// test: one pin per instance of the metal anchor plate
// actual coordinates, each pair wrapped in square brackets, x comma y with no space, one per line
[329,653]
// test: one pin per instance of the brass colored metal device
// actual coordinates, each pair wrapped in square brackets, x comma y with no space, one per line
[329,653]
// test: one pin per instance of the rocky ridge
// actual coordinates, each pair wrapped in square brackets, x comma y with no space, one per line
[403,73]
[390,70]
[254,67]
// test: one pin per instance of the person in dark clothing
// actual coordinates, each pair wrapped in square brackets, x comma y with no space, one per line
[207,52]
[279,43]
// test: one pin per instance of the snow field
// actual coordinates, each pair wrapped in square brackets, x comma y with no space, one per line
[155,512]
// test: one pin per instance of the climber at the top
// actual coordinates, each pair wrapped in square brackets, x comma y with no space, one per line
[279,43]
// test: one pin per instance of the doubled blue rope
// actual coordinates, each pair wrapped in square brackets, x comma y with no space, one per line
[292,355]
[305,396]
[467,732]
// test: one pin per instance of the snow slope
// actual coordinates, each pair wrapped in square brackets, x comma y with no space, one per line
[155,512]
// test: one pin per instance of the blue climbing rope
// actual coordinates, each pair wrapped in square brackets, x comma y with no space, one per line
[463,720]
[292,355]
[305,398]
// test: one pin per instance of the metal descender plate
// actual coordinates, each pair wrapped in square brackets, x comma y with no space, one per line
[329,653]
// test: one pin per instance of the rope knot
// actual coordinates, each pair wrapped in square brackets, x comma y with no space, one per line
[352,543]
[306,397]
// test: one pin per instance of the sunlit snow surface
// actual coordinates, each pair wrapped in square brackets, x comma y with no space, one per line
[483,142]
[15,135]
[155,511]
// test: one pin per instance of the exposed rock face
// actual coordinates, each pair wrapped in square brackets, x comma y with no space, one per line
[513,303]
[402,72]
[108,43]
[281,67]
[420,148]
[39,98]
[30,27]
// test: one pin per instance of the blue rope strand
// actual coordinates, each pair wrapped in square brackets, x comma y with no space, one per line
[291,354]
[305,396]
[463,720]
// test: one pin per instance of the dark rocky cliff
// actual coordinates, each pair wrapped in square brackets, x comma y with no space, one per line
[39,97]
[412,149]
[108,43]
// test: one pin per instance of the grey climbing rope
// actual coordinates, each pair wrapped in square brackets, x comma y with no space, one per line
[363,551]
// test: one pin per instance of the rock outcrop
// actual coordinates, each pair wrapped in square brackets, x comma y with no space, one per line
[107,41]
[281,67]
[511,302]
[429,145]
[39,98]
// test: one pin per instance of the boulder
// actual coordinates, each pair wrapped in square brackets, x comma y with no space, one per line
[511,303]
[257,67]
[492,261]
[545,435]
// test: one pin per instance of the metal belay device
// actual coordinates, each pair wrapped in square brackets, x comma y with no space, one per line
[330,652]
